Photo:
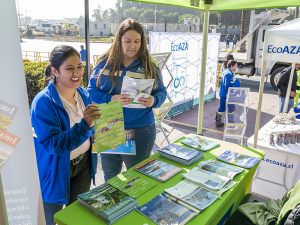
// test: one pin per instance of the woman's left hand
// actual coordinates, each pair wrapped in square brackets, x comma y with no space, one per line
[147,101]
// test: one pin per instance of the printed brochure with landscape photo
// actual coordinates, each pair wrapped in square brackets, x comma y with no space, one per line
[238,159]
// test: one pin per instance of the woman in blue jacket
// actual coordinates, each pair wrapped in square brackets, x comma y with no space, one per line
[62,120]
[128,56]
[228,80]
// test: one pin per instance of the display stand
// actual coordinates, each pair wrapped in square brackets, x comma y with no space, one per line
[161,113]
[236,114]
[3,213]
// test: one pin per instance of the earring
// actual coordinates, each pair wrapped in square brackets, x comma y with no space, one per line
[57,78]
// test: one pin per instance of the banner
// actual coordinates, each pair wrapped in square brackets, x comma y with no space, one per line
[17,157]
[185,65]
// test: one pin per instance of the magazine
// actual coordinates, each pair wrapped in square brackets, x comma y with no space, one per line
[163,211]
[180,154]
[191,195]
[156,169]
[128,148]
[135,89]
[131,183]
[208,179]
[238,159]
[200,143]
[109,129]
[107,202]
[220,168]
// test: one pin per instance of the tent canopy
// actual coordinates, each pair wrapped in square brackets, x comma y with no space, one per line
[282,43]
[222,5]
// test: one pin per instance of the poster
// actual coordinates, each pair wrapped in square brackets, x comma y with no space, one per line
[21,188]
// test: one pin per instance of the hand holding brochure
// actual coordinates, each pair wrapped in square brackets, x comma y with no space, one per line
[238,159]
[136,88]
[220,168]
[109,129]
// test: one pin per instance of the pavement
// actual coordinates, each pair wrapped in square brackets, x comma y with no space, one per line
[186,122]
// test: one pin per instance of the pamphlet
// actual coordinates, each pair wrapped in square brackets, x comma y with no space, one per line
[200,143]
[131,183]
[109,129]
[238,159]
[135,89]
[163,211]
[220,168]
[156,169]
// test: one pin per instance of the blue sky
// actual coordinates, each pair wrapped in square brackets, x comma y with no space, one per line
[59,9]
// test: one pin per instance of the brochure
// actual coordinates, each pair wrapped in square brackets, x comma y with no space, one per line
[238,159]
[200,143]
[109,129]
[107,202]
[220,168]
[208,179]
[191,195]
[131,183]
[156,169]
[136,88]
[163,211]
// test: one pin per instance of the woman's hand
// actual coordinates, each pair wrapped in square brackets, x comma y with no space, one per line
[147,101]
[91,113]
[123,98]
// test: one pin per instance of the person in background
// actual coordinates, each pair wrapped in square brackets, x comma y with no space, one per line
[62,119]
[128,56]
[82,53]
[224,65]
[234,41]
[228,80]
[227,41]
[282,86]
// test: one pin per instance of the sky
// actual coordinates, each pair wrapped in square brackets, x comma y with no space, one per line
[59,9]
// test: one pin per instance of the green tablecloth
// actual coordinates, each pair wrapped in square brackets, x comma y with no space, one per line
[76,214]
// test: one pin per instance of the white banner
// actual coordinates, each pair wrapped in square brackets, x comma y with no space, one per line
[17,156]
[185,63]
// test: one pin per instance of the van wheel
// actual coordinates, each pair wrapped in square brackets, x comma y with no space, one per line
[275,77]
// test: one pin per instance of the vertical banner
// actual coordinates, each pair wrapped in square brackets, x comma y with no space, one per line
[185,65]
[17,157]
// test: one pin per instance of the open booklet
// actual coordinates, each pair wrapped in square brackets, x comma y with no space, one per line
[220,168]
[136,88]
[238,159]
[199,143]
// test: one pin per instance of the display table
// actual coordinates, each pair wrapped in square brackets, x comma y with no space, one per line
[76,214]
[279,169]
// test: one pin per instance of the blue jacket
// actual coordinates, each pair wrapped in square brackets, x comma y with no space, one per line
[228,80]
[54,140]
[133,117]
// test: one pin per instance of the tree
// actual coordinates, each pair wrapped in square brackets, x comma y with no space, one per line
[245,23]
[97,14]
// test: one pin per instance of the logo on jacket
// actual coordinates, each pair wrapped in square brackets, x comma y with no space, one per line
[140,70]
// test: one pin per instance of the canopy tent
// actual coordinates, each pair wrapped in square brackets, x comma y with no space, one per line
[282,43]
[218,5]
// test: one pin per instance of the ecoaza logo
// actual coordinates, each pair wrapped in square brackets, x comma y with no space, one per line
[288,49]
[182,46]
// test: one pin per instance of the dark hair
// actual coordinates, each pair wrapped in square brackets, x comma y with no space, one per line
[114,55]
[231,63]
[57,57]
[229,57]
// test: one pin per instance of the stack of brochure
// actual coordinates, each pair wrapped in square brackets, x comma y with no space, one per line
[199,143]
[164,211]
[238,159]
[108,202]
[180,154]
[156,169]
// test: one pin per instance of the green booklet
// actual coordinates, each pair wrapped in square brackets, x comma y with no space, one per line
[131,183]
[109,128]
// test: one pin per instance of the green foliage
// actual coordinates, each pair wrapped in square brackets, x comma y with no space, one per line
[35,79]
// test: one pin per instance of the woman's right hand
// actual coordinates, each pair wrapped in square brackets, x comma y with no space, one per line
[123,98]
[91,113]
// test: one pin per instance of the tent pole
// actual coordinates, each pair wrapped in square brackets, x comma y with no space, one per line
[87,37]
[3,212]
[260,96]
[203,70]
[287,96]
